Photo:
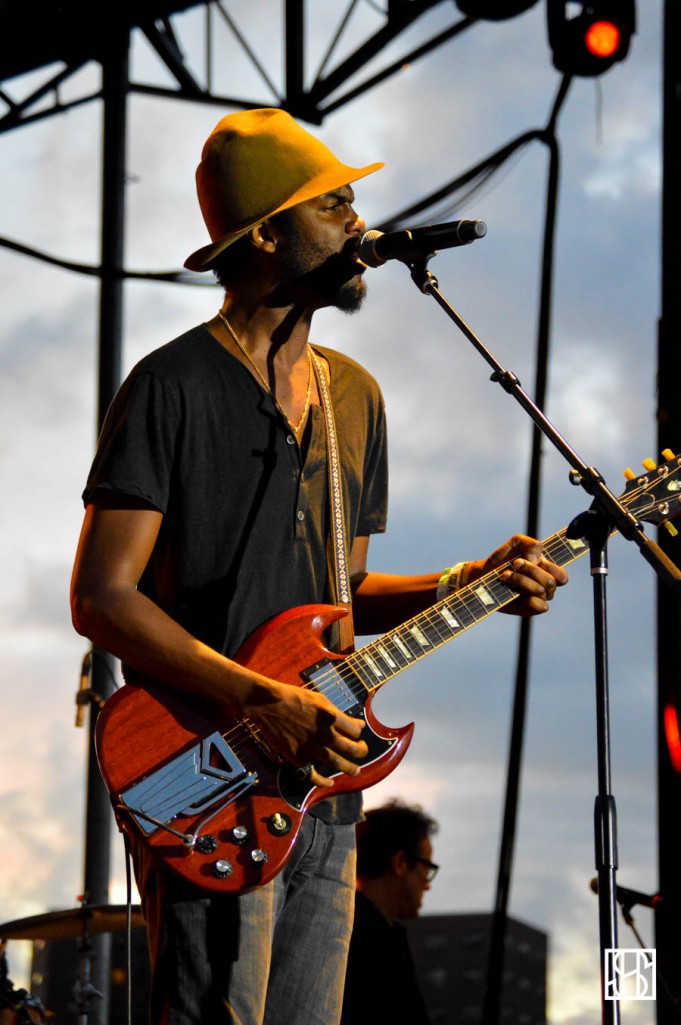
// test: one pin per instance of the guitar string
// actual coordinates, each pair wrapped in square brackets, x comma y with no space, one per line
[469,602]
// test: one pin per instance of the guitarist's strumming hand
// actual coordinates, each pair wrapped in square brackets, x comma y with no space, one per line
[304,728]
[532,575]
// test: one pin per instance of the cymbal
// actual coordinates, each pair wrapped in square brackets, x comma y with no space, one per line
[89,919]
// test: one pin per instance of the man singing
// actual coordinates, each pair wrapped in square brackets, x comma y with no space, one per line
[208,511]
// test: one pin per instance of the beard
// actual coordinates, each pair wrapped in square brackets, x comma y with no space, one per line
[310,273]
[349,297]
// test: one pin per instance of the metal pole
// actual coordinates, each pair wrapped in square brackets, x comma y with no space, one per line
[667,934]
[98,811]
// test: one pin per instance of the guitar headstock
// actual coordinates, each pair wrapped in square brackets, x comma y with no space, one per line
[655,496]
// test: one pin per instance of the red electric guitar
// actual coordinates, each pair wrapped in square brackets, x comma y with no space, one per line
[217,806]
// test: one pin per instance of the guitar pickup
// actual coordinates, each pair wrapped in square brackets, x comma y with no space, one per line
[329,682]
[188,784]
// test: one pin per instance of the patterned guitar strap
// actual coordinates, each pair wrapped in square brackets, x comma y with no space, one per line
[340,576]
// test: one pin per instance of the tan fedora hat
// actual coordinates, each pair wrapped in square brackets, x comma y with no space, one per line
[254,164]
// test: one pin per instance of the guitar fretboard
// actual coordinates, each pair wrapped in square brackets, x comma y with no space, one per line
[654,497]
[381,659]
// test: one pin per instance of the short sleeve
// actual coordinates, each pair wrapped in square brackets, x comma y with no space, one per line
[136,448]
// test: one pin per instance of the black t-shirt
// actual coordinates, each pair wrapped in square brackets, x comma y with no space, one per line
[245,511]
[380,983]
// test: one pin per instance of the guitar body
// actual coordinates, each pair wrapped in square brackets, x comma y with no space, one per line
[221,810]
[212,803]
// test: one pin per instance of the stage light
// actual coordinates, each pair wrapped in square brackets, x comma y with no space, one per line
[602,39]
[671,729]
[494,10]
[588,36]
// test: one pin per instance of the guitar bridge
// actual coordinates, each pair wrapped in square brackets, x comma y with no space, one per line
[188,784]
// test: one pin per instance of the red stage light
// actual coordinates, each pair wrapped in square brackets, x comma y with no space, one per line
[602,38]
[671,729]
[588,36]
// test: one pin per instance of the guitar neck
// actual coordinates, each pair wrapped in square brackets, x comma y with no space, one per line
[382,659]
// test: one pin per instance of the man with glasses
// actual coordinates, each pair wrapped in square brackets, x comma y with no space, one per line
[394,869]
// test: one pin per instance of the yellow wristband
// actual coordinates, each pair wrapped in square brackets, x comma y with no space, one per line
[453,578]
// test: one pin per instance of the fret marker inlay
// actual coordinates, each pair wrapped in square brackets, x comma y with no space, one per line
[383,652]
[373,667]
[404,650]
[449,618]
[484,595]
[419,636]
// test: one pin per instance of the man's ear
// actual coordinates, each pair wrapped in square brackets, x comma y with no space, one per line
[400,864]
[264,236]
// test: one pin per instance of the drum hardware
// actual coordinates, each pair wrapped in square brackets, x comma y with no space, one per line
[77,923]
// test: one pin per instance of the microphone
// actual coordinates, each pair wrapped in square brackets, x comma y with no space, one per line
[410,244]
[628,898]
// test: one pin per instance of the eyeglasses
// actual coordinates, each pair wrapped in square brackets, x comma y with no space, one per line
[431,868]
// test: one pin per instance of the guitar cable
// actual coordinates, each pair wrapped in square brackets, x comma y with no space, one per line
[128,929]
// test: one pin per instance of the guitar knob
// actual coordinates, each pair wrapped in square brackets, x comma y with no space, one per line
[259,856]
[222,868]
[206,844]
[240,834]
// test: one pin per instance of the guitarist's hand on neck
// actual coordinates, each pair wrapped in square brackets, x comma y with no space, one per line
[529,573]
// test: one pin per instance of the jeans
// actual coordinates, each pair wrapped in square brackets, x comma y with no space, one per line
[274,956]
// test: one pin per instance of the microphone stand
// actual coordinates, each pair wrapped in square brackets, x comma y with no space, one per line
[595,525]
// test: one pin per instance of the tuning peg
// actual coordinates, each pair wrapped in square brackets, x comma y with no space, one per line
[669,526]
[649,464]
[667,453]
[629,474]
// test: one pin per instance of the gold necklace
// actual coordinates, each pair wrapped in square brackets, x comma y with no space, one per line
[265,384]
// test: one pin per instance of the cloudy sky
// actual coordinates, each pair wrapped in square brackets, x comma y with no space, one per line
[459,445]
